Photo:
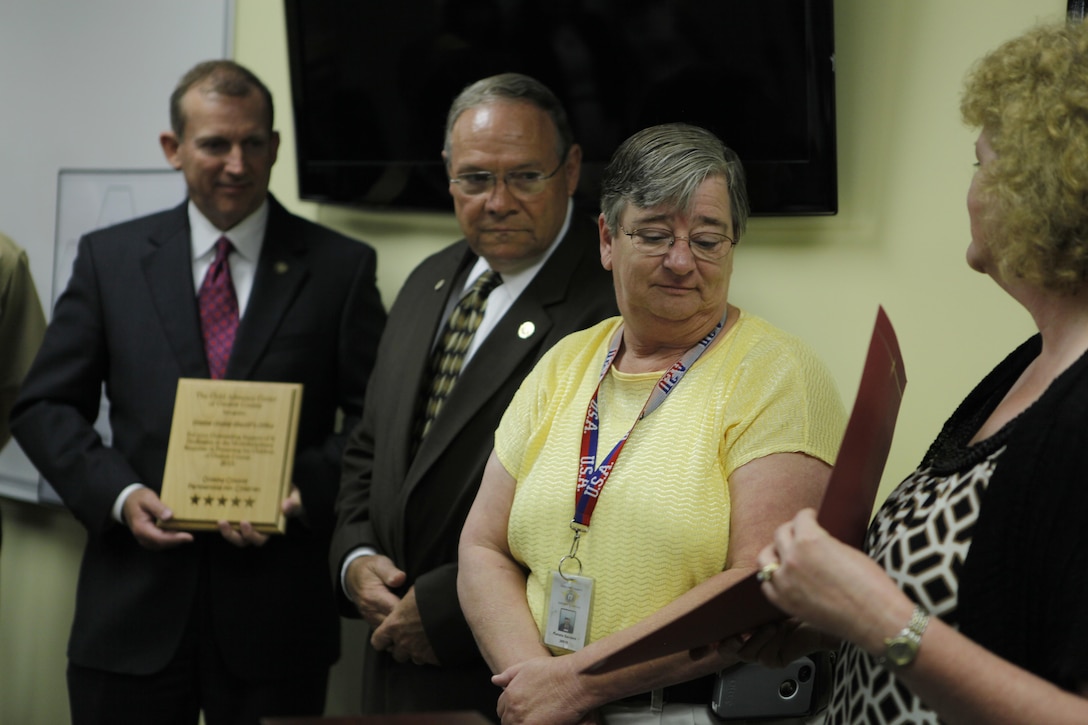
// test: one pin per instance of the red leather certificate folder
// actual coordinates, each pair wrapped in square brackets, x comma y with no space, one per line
[845,512]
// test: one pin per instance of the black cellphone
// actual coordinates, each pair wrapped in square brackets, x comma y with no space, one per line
[751,691]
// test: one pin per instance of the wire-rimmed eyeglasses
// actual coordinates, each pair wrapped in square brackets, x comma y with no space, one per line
[710,246]
[522,183]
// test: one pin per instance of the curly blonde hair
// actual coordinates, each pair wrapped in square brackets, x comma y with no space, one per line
[1030,97]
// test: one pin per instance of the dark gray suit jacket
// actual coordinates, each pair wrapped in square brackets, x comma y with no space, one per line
[128,319]
[412,509]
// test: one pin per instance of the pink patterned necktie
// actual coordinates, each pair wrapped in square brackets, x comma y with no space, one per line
[218,310]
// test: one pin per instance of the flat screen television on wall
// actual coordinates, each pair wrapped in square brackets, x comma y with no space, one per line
[371,82]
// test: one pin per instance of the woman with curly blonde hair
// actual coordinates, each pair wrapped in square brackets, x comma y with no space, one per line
[1030,98]
[969,604]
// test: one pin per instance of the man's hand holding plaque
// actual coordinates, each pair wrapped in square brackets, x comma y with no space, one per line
[230,458]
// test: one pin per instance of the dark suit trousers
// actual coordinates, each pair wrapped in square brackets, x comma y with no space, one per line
[196,679]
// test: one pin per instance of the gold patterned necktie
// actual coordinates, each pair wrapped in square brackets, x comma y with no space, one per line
[449,353]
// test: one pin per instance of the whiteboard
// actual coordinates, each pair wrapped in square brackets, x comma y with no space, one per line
[89,199]
[86,85]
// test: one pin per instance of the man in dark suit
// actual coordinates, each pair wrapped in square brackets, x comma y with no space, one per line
[235,623]
[410,474]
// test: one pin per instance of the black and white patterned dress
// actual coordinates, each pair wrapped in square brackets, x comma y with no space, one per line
[921,537]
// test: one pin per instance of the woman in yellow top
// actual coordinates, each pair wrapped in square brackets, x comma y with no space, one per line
[713,427]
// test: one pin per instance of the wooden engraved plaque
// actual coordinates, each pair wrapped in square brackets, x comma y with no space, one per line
[231,453]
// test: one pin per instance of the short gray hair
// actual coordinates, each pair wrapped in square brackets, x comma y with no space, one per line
[665,165]
[515,88]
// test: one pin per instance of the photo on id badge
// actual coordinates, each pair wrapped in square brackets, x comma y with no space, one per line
[569,602]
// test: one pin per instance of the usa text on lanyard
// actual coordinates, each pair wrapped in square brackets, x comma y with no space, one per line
[591,477]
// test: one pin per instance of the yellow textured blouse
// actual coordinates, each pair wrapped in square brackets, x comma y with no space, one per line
[661,525]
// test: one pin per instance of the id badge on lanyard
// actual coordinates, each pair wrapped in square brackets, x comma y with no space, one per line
[570,593]
[570,603]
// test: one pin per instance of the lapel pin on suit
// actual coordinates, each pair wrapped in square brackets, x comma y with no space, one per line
[281,267]
[439,284]
[526,330]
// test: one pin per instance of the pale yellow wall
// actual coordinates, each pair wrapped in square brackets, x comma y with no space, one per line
[905,161]
[898,240]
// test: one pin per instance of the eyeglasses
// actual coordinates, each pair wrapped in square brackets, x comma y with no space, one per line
[520,183]
[710,246]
